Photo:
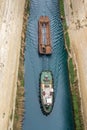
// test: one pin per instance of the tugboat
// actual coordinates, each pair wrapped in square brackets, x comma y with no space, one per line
[46,92]
[44,39]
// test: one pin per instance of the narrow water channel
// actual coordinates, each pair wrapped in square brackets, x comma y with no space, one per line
[61,118]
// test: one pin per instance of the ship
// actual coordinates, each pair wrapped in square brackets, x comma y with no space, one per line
[44,38]
[46,92]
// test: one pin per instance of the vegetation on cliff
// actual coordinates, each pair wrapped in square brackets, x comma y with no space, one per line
[72,75]
[19,108]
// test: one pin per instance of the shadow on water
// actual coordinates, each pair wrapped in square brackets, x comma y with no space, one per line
[61,118]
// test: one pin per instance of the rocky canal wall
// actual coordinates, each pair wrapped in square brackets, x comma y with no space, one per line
[11,20]
[76,18]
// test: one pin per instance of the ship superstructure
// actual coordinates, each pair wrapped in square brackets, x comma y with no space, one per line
[46,91]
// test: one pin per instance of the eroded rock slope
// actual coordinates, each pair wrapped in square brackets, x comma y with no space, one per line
[76,18]
[11,19]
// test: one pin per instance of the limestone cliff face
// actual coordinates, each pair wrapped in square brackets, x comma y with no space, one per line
[76,17]
[11,19]
[76,11]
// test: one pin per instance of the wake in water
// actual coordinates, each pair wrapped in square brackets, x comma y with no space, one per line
[61,117]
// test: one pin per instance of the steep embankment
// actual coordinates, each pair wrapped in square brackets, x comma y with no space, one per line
[76,18]
[11,19]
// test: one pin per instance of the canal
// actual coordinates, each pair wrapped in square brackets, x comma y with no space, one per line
[61,117]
